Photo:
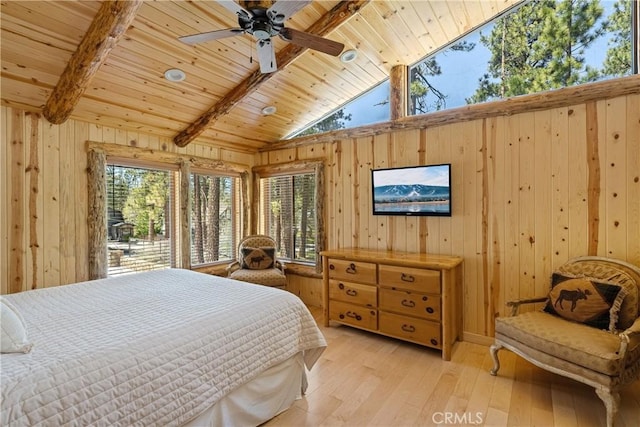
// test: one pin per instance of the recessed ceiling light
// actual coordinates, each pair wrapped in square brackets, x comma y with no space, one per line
[267,111]
[174,75]
[348,55]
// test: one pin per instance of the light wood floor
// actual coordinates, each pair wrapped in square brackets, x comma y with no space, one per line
[363,379]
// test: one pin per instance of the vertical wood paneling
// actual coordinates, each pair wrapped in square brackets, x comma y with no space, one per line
[527,204]
[523,195]
[632,179]
[5,203]
[614,195]
[559,152]
[577,164]
[44,199]
[51,210]
[67,199]
[542,198]
[495,216]
[79,205]
[17,272]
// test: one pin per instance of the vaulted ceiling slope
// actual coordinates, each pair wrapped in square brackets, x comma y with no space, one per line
[127,88]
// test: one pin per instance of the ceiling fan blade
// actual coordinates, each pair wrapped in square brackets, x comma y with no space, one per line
[266,56]
[236,8]
[210,35]
[282,10]
[311,41]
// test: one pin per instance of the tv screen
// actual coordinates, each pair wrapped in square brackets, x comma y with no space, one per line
[412,191]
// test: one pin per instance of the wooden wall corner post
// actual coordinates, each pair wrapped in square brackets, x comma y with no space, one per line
[97,213]
[185,225]
[398,89]
[246,204]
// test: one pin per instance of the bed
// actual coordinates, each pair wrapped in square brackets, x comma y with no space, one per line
[161,348]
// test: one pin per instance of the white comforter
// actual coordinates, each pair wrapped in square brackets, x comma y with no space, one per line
[150,349]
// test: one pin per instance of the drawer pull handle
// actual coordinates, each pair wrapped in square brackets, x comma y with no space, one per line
[407,278]
[351,269]
[434,342]
[332,267]
[430,310]
[351,292]
[354,316]
[408,303]
[408,328]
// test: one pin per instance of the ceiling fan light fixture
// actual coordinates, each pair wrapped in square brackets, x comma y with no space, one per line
[269,110]
[175,75]
[348,55]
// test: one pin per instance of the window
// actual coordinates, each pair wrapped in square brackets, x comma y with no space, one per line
[288,213]
[367,108]
[538,46]
[214,218]
[139,219]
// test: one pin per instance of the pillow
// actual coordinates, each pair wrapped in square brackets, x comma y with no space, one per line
[258,258]
[13,334]
[585,300]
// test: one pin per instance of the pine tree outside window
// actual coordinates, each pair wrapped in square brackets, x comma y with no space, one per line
[539,45]
[214,218]
[288,212]
[140,224]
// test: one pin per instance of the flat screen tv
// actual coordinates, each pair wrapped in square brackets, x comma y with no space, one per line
[412,191]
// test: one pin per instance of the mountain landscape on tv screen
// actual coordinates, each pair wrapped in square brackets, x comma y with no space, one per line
[403,193]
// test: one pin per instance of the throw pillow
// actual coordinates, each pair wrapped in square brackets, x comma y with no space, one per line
[258,258]
[13,337]
[585,300]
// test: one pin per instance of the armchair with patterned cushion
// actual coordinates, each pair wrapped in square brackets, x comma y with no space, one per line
[588,330]
[257,262]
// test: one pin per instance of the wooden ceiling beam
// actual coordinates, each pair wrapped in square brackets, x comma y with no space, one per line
[325,25]
[108,26]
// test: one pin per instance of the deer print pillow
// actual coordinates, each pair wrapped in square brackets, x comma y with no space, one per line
[593,302]
[257,258]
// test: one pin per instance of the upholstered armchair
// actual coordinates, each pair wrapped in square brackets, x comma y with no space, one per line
[257,262]
[589,329]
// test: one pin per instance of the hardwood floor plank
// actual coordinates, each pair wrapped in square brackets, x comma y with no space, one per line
[364,379]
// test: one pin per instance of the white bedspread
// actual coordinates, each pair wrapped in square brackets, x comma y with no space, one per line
[151,349]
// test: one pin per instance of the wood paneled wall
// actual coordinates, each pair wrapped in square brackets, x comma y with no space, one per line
[44,198]
[530,191]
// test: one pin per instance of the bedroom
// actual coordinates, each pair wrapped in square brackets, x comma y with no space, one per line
[569,187]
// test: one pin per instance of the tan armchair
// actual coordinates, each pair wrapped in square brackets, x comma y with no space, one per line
[603,359]
[257,262]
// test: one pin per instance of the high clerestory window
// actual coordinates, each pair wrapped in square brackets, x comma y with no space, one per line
[538,45]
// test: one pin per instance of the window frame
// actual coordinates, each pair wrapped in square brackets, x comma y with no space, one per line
[286,169]
[97,154]
[236,201]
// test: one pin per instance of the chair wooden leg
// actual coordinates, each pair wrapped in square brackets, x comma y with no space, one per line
[494,355]
[611,399]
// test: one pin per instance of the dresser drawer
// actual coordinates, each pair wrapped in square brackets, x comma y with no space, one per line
[355,315]
[410,303]
[355,293]
[352,271]
[412,279]
[409,328]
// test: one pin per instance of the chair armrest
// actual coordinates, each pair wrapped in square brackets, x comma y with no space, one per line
[235,265]
[515,305]
[280,265]
[632,331]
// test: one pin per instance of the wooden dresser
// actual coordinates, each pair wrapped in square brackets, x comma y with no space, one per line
[410,296]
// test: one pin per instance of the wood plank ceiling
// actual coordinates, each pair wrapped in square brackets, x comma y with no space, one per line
[129,91]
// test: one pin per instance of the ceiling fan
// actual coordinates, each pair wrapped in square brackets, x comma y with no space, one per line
[263,20]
